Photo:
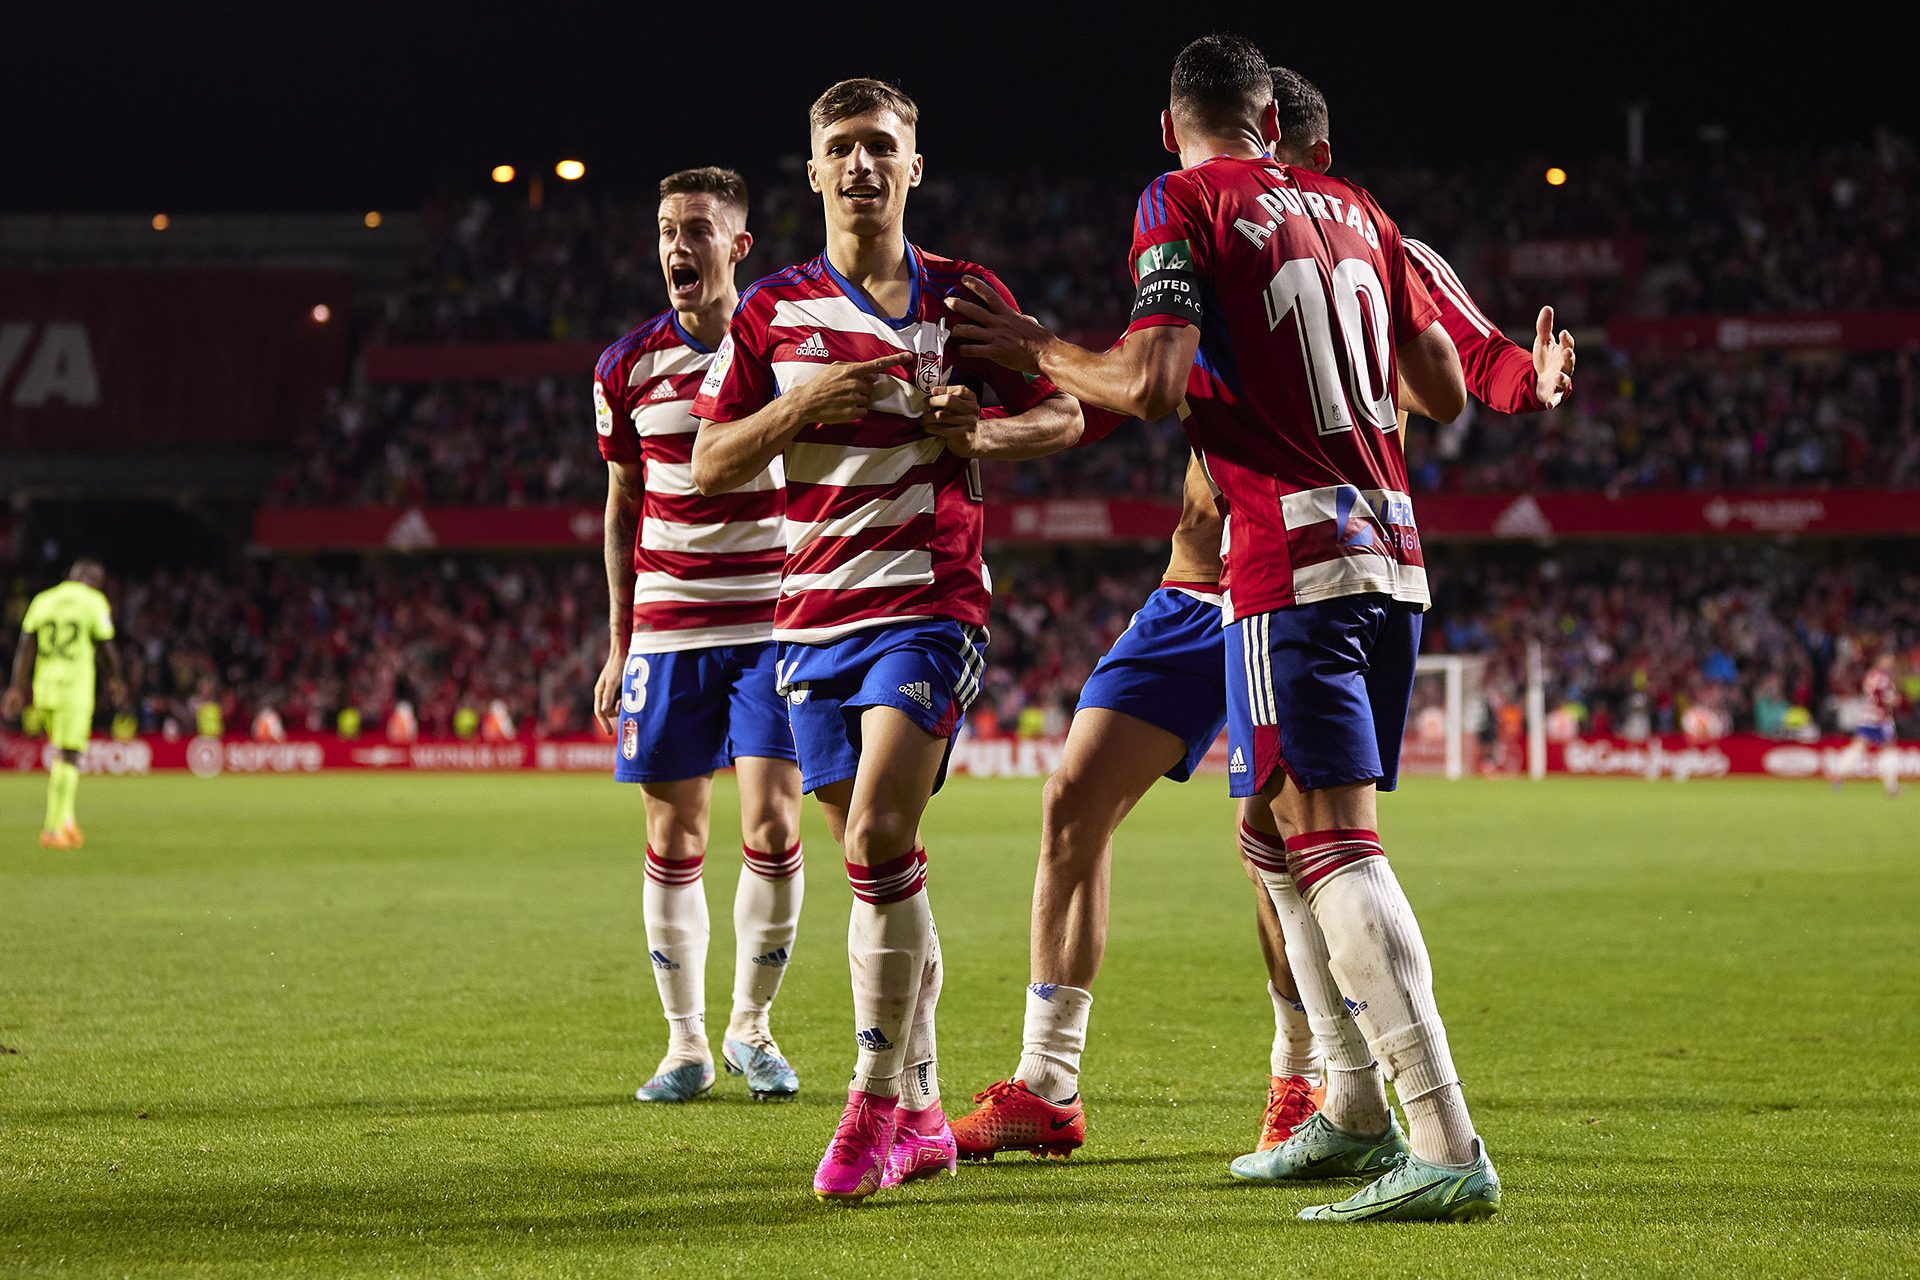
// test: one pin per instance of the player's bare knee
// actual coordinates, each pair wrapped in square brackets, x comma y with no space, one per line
[772,831]
[676,839]
[1073,809]
[877,836]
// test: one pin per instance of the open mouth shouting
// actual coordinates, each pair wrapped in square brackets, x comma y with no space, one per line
[862,197]
[683,281]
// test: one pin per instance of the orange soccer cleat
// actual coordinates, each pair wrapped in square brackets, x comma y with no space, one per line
[1290,1101]
[1012,1117]
[55,840]
[75,837]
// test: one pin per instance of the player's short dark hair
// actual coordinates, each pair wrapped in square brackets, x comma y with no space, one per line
[857,97]
[1301,106]
[709,179]
[1221,82]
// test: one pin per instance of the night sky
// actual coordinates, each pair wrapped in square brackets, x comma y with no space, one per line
[274,106]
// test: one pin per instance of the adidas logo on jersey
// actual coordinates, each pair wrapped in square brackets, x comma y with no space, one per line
[774,959]
[814,346]
[874,1040]
[660,961]
[1238,764]
[921,692]
[662,391]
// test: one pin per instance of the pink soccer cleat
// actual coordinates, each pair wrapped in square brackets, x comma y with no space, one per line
[857,1156]
[923,1147]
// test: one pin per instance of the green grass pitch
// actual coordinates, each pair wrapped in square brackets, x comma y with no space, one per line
[388,1024]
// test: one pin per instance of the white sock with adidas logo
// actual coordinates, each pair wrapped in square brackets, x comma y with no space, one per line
[766,917]
[674,904]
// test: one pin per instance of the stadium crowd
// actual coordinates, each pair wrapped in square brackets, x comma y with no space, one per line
[1715,229]
[1799,231]
[1744,636]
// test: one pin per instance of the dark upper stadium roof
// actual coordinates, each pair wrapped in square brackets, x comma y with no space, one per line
[222,106]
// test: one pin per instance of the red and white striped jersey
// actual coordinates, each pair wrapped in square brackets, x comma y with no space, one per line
[883,524]
[1882,695]
[1301,292]
[706,569]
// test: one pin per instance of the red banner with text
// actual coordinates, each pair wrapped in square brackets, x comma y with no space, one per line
[1857,512]
[141,360]
[1655,759]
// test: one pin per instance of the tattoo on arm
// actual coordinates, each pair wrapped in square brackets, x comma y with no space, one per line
[622,521]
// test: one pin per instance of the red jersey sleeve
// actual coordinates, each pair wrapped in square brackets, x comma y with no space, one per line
[1100,423]
[740,382]
[1169,258]
[1017,391]
[612,415]
[1408,302]
[1500,372]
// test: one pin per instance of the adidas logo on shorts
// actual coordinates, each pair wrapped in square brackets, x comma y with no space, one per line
[1238,764]
[921,692]
[814,346]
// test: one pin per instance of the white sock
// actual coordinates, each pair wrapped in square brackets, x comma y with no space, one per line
[1294,1051]
[1052,1040]
[1890,769]
[675,906]
[1380,960]
[920,1075]
[889,936]
[1356,1098]
[766,915]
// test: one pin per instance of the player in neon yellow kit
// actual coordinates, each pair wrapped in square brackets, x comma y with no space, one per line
[62,626]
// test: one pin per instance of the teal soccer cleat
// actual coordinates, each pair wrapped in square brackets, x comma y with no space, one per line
[1415,1190]
[770,1078]
[1318,1150]
[682,1084]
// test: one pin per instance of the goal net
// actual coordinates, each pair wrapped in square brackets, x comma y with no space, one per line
[1451,730]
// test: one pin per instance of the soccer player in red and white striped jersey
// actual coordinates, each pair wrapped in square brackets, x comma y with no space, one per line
[1278,306]
[688,684]
[841,367]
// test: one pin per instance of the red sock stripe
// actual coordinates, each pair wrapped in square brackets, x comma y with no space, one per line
[662,871]
[1269,853]
[773,866]
[1314,856]
[894,881]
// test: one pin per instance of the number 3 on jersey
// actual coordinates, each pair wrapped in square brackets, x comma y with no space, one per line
[1346,370]
[633,684]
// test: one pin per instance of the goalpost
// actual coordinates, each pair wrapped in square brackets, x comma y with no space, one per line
[1457,725]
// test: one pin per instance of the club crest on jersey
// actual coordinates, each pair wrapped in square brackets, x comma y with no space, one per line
[928,371]
[629,739]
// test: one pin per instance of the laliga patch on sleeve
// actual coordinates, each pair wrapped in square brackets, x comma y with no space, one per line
[717,371]
[602,411]
[1169,284]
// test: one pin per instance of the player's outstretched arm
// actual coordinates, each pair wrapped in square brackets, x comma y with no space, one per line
[954,414]
[624,486]
[14,701]
[1430,371]
[1143,375]
[728,454]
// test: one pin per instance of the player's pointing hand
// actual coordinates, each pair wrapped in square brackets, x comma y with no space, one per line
[845,392]
[1552,361]
[992,330]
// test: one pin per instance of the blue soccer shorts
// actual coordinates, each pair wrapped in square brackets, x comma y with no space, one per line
[1167,669]
[930,670]
[1320,690]
[689,712]
[1874,735]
